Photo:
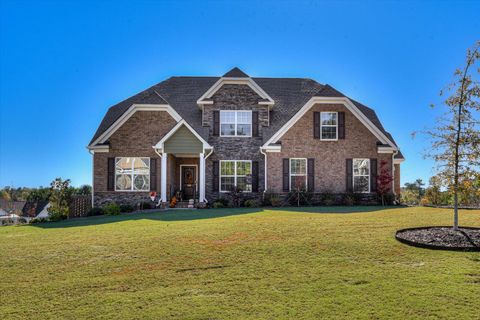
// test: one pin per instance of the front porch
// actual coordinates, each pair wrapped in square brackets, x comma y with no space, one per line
[183,153]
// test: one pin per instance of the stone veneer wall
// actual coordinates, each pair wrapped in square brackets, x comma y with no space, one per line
[235,97]
[134,138]
[330,156]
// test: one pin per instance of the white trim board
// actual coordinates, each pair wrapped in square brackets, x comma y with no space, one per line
[231,80]
[127,114]
[329,100]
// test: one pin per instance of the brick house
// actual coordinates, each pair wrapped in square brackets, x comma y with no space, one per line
[198,137]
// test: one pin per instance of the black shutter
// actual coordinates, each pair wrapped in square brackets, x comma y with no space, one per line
[311,175]
[216,171]
[255,176]
[216,123]
[255,123]
[153,174]
[341,125]
[111,174]
[373,175]
[349,172]
[316,125]
[286,175]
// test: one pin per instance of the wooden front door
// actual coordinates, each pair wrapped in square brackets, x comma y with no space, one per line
[189,182]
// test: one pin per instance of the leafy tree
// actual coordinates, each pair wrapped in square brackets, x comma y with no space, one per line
[59,199]
[455,140]
[4,195]
[384,181]
[416,187]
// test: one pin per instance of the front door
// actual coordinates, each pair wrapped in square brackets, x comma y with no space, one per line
[189,182]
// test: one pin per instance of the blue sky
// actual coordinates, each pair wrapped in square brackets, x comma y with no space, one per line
[63,63]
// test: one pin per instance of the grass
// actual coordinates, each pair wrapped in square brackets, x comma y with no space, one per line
[237,263]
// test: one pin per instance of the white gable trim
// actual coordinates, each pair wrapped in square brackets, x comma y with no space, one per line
[127,114]
[231,80]
[160,144]
[328,100]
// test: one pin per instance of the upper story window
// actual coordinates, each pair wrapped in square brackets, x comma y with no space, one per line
[132,174]
[361,175]
[235,173]
[235,123]
[329,125]
[298,174]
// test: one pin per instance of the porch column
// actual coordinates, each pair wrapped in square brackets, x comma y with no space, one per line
[163,176]
[201,197]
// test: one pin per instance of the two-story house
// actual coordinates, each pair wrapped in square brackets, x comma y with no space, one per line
[202,136]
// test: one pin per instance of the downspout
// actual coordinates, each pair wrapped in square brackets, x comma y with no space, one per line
[93,172]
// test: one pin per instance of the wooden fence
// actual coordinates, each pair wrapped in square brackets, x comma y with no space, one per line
[80,206]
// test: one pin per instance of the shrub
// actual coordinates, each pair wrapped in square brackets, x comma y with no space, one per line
[95,211]
[275,201]
[111,209]
[146,205]
[126,208]
[300,197]
[236,196]
[218,204]
[251,203]
[349,199]
[38,220]
[225,202]
[328,199]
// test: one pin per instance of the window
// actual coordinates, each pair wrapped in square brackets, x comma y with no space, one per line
[235,123]
[361,175]
[235,173]
[329,125]
[298,174]
[132,174]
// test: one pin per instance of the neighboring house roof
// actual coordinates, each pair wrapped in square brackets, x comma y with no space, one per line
[33,208]
[182,93]
[12,206]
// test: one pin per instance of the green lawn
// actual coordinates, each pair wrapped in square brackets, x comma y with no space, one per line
[237,263]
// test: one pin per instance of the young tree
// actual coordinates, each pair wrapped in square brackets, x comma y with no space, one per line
[456,138]
[59,199]
[384,181]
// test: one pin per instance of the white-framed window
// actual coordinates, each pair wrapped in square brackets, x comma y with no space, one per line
[132,174]
[361,175]
[298,173]
[235,173]
[329,125]
[235,123]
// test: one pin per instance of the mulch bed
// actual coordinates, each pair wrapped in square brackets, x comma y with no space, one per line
[444,238]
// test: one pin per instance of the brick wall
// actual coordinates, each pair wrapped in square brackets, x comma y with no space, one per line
[134,138]
[234,97]
[397,179]
[330,171]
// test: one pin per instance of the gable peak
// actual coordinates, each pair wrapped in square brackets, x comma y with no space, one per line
[235,73]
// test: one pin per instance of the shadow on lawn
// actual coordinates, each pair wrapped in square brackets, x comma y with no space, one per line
[188,215]
[168,215]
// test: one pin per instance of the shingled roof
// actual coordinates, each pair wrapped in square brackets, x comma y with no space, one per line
[182,93]
[235,73]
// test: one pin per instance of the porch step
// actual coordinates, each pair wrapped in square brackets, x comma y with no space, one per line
[186,204]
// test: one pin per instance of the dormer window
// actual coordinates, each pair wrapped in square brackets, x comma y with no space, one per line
[235,123]
[329,125]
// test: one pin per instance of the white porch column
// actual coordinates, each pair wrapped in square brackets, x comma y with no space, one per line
[163,177]
[201,197]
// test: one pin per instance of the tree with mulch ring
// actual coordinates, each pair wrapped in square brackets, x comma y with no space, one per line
[462,239]
[456,152]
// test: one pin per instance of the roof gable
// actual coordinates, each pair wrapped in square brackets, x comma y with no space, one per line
[235,73]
